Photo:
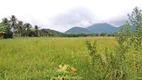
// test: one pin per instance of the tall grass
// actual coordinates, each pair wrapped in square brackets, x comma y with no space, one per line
[39,58]
[122,63]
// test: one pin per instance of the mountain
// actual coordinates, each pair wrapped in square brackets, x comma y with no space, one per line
[95,28]
[49,32]
[102,27]
[77,30]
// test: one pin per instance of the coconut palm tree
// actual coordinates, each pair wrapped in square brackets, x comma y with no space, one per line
[37,30]
[5,21]
[27,28]
[13,21]
[6,28]
[20,28]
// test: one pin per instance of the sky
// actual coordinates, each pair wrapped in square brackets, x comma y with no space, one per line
[62,15]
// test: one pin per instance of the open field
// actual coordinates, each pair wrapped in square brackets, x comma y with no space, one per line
[39,58]
[30,58]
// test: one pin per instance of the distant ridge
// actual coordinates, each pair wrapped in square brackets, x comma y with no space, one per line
[77,30]
[50,32]
[102,27]
[95,28]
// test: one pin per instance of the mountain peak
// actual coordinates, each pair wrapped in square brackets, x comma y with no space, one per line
[106,24]
[102,27]
[95,28]
[77,30]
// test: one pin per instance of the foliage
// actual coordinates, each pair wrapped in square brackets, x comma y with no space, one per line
[8,33]
[39,58]
[103,34]
[18,28]
[117,66]
[21,29]
[135,23]
[88,35]
[1,28]
[54,58]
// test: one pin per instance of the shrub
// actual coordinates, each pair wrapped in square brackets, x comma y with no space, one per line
[8,33]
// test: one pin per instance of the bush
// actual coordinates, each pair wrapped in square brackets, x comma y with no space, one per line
[120,65]
[8,33]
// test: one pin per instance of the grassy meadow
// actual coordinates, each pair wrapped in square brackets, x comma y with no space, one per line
[41,58]
[31,58]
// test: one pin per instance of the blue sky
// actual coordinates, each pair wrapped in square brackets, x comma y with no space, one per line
[61,15]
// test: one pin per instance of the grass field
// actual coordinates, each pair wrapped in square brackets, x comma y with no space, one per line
[40,58]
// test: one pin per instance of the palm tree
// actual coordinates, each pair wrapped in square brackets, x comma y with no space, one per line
[5,21]
[20,28]
[6,28]
[37,30]
[27,28]
[13,21]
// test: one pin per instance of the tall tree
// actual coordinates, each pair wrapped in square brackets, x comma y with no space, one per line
[37,30]
[13,21]
[6,28]
[20,28]
[27,26]
[5,21]
[4,24]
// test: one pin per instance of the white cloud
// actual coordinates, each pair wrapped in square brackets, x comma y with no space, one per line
[74,17]
[46,13]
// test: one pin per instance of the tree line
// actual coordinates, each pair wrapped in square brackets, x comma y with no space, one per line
[10,27]
[103,34]
[14,27]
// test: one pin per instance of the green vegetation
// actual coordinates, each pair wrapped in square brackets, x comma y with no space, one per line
[17,28]
[124,63]
[89,58]
[39,58]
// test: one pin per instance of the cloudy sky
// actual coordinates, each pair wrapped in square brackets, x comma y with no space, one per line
[61,15]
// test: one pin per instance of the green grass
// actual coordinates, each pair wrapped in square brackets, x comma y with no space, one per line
[39,58]
[30,58]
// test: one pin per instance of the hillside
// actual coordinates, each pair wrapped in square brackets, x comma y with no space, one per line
[49,32]
[102,27]
[77,30]
[95,28]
